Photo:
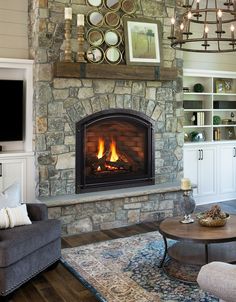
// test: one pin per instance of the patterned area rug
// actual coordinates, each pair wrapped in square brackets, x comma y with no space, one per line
[126,270]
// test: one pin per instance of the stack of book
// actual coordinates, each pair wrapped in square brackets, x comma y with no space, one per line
[199,118]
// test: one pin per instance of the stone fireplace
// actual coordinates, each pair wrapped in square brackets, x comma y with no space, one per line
[114,149]
[147,115]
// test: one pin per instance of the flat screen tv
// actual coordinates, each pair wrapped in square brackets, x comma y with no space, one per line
[11,110]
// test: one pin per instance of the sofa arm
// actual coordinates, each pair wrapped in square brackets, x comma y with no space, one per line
[219,279]
[37,211]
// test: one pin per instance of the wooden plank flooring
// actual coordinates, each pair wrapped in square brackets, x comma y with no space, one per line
[59,285]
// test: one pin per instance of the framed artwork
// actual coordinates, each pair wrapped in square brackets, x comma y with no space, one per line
[142,41]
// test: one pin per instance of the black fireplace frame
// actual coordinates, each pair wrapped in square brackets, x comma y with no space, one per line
[131,115]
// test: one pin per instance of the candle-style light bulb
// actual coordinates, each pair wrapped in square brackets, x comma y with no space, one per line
[189,15]
[206,30]
[172,26]
[219,14]
[232,31]
[219,23]
[198,1]
[182,26]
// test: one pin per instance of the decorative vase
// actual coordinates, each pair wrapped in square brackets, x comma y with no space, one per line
[187,206]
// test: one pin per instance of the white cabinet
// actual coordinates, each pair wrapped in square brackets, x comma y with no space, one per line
[227,169]
[200,167]
[212,167]
[18,167]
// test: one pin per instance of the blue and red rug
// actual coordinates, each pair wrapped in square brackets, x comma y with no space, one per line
[127,270]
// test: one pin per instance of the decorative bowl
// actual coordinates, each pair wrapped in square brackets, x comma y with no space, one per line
[210,222]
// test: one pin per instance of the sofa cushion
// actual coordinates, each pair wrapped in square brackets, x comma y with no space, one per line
[4,219]
[10,197]
[18,216]
[20,241]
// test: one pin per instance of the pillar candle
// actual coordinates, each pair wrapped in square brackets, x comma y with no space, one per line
[80,20]
[185,184]
[68,13]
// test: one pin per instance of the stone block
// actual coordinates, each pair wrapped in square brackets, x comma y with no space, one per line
[130,206]
[105,217]
[65,161]
[80,226]
[85,93]
[133,216]
[54,212]
[68,210]
[101,86]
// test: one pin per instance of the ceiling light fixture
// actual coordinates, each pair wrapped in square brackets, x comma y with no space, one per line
[205,26]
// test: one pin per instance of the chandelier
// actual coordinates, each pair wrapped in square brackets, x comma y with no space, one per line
[204,26]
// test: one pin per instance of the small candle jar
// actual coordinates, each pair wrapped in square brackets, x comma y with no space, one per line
[185,184]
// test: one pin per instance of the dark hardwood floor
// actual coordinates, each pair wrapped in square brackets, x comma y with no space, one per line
[59,285]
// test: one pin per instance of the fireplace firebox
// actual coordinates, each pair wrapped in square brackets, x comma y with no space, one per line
[114,149]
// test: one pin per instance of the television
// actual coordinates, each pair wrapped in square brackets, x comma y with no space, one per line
[11,110]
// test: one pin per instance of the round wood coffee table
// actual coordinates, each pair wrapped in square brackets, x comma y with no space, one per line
[197,244]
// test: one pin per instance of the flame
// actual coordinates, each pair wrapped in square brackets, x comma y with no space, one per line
[114,157]
[101,147]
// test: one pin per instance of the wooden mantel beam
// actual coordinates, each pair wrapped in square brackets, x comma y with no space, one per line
[116,72]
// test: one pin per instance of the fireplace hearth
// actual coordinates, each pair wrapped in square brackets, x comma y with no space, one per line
[114,149]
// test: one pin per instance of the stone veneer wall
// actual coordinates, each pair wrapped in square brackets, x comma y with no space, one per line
[60,103]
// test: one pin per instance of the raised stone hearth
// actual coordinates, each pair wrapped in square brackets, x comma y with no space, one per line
[111,209]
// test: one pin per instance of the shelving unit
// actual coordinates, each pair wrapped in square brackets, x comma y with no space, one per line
[211,162]
[217,99]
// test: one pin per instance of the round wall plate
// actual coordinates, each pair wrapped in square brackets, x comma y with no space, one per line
[95,18]
[113,5]
[95,55]
[128,6]
[95,37]
[113,55]
[112,37]
[95,3]
[112,19]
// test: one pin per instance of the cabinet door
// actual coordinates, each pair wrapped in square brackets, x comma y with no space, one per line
[13,170]
[200,168]
[207,171]
[191,158]
[227,165]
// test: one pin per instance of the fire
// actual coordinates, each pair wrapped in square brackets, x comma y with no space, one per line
[101,147]
[114,157]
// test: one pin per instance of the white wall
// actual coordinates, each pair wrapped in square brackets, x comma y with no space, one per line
[14,29]
[219,61]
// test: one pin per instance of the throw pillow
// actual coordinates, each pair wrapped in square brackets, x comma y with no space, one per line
[4,219]
[18,216]
[10,197]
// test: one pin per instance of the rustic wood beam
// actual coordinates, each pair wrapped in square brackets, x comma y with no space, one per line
[116,72]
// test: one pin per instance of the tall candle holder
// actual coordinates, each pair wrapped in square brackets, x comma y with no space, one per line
[67,51]
[80,52]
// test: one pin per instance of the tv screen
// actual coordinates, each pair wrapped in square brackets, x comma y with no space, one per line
[11,108]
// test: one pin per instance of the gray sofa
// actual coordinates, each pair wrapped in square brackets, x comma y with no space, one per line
[27,250]
[219,279]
